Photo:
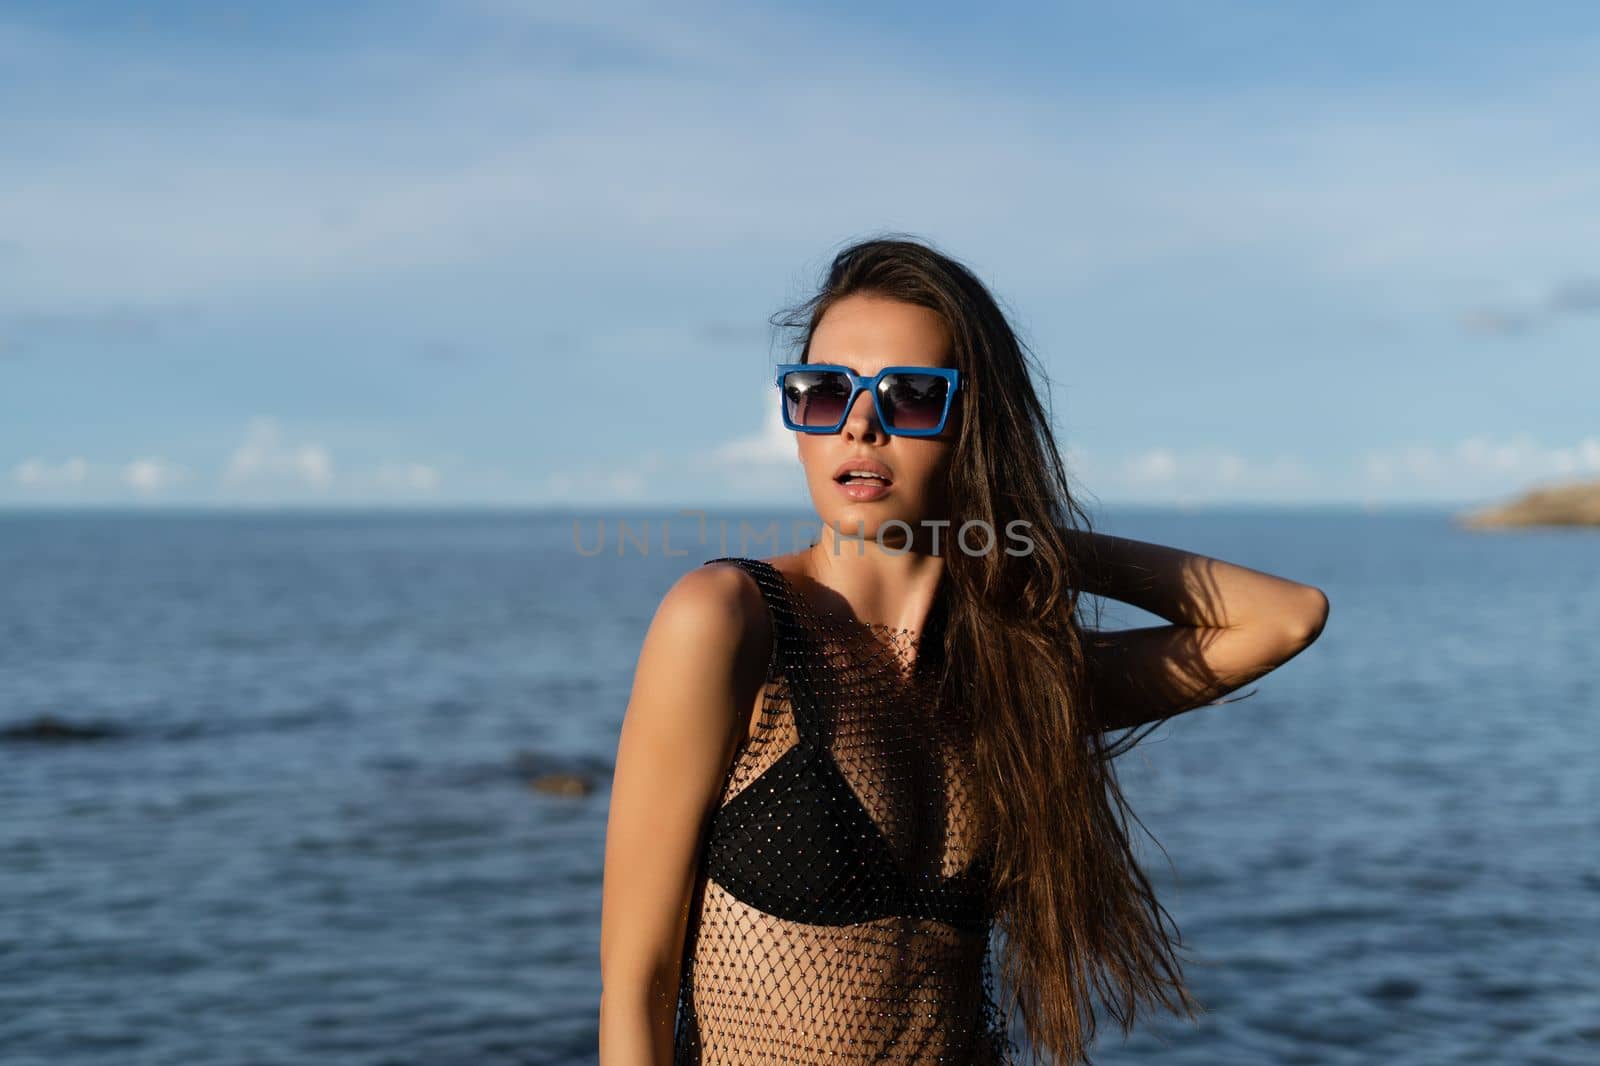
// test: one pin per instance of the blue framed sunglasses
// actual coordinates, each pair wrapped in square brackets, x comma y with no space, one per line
[911,401]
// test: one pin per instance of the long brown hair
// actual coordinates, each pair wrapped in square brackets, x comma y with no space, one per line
[1078,917]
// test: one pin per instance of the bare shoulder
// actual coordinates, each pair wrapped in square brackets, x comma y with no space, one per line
[710,639]
[718,602]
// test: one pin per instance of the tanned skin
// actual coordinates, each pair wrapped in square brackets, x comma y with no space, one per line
[699,684]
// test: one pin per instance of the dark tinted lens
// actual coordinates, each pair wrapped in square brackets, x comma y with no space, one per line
[815,397]
[913,401]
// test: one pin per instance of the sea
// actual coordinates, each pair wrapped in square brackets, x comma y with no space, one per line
[331,787]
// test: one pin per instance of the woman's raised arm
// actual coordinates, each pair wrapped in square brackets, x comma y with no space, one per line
[1229,626]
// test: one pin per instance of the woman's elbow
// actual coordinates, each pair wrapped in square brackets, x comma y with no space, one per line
[1307,617]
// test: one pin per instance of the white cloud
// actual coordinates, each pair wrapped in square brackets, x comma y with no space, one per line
[273,462]
[80,480]
[762,468]
[265,457]
[1480,463]
[1474,466]
[619,485]
[1203,472]
[40,473]
[266,467]
[1157,464]
[150,475]
[409,477]
[759,467]
[773,445]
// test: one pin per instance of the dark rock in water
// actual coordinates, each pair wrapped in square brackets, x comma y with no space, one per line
[1552,505]
[561,784]
[47,728]
[560,775]
[1395,989]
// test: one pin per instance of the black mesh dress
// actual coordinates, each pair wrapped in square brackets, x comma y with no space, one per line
[840,912]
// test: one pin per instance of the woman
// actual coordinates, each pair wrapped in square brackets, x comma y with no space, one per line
[840,768]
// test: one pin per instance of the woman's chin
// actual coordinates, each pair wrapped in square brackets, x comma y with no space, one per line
[872,522]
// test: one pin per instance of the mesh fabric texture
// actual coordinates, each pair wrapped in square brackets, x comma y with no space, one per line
[839,911]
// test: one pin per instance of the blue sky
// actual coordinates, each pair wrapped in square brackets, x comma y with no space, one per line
[506,253]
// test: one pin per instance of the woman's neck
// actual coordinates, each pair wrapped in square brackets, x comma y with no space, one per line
[891,588]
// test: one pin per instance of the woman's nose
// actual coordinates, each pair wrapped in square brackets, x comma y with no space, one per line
[861,422]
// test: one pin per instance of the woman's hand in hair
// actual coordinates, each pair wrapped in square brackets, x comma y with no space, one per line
[1229,625]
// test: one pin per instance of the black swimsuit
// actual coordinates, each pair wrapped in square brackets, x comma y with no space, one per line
[840,911]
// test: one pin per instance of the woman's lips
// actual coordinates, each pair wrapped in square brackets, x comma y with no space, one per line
[861,464]
[864,490]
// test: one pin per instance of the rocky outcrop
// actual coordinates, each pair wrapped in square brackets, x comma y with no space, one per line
[48,729]
[1552,505]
